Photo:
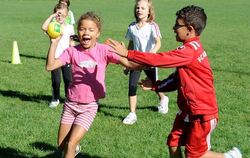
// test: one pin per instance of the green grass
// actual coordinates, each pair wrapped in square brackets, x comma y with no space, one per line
[28,128]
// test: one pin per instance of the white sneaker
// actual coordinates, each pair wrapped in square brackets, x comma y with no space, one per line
[233,153]
[163,108]
[130,119]
[54,104]
[78,149]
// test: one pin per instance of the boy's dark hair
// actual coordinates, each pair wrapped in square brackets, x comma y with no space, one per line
[193,16]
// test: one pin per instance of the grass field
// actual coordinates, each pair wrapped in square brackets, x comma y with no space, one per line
[28,128]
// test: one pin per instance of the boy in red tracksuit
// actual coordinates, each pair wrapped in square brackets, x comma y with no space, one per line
[198,109]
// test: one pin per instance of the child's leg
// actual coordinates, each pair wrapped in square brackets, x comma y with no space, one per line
[132,103]
[56,80]
[67,120]
[233,153]
[198,139]
[84,116]
[152,74]
[67,77]
[133,81]
[63,135]
[134,76]
[161,95]
[177,136]
[76,134]
[163,105]
[211,154]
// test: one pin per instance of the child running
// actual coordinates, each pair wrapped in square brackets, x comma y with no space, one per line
[198,114]
[89,61]
[60,13]
[143,35]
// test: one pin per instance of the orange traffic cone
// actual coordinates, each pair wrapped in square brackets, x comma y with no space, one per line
[15,54]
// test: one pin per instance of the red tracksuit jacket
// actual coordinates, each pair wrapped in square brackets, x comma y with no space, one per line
[196,93]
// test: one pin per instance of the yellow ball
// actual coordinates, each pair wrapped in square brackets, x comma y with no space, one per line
[54,29]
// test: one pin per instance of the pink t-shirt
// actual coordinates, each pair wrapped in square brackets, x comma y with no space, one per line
[88,71]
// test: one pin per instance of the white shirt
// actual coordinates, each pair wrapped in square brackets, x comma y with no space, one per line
[68,30]
[143,38]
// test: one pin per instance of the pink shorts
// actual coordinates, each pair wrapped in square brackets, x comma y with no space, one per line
[79,114]
[194,135]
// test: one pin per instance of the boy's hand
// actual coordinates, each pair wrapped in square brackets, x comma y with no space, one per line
[118,47]
[146,84]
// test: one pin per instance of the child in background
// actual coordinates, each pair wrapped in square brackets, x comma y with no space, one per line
[198,114]
[143,35]
[60,13]
[89,61]
[70,17]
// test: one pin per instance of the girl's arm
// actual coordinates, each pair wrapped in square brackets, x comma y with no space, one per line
[52,63]
[47,21]
[157,45]
[130,64]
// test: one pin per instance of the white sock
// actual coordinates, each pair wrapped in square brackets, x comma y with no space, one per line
[164,99]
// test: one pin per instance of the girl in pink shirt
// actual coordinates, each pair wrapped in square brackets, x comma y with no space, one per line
[89,60]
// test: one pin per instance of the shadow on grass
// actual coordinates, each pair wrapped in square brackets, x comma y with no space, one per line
[105,109]
[5,61]
[231,71]
[11,153]
[24,97]
[32,57]
[43,146]
[55,153]
[26,56]
[152,108]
